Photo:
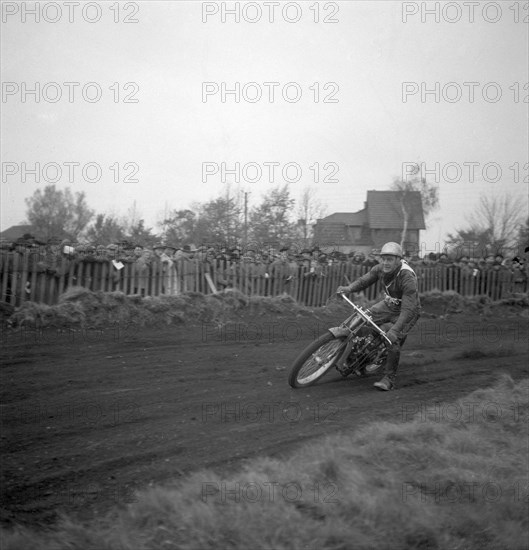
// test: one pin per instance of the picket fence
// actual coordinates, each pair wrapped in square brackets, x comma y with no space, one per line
[21,280]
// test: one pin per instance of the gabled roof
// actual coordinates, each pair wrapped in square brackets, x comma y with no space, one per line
[348,218]
[16,232]
[384,210]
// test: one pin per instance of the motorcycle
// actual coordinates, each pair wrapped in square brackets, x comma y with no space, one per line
[350,348]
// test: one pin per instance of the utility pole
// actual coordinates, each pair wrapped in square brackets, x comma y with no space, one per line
[227,215]
[246,217]
[164,229]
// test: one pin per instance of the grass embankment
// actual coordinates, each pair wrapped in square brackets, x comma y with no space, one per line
[80,307]
[452,476]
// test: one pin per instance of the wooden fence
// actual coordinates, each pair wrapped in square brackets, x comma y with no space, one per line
[21,280]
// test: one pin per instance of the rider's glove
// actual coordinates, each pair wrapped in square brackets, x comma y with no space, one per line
[392,336]
[344,289]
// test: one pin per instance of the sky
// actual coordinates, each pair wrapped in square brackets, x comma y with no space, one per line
[362,89]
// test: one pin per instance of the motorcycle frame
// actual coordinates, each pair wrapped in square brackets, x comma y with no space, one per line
[366,317]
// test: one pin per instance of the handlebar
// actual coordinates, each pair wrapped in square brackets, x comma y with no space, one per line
[366,317]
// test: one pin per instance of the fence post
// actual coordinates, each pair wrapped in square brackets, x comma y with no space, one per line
[14,277]
[61,267]
[80,273]
[24,277]
[33,281]
[4,263]
[312,291]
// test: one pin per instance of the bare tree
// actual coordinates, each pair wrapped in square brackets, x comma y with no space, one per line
[405,188]
[309,210]
[502,216]
[105,229]
[131,218]
[133,225]
[472,241]
[495,224]
[523,235]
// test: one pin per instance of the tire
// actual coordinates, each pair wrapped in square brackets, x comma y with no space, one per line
[311,366]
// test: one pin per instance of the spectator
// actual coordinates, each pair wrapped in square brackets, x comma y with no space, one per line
[280,268]
[142,273]
[164,265]
[178,270]
[519,276]
[501,281]
[186,267]
[370,261]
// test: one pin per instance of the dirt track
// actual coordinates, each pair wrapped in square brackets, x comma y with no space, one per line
[89,418]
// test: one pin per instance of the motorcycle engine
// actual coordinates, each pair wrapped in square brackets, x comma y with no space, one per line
[362,350]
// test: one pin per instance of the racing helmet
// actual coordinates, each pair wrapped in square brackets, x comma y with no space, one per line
[392,249]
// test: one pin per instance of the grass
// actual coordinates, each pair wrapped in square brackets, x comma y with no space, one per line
[446,482]
[80,307]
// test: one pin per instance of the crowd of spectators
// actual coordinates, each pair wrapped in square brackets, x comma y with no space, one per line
[177,266]
[494,273]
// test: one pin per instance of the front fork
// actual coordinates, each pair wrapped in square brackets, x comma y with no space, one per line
[340,332]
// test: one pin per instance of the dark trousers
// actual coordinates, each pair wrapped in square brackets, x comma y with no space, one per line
[385,317]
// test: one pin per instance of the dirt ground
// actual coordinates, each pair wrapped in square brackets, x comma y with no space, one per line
[88,417]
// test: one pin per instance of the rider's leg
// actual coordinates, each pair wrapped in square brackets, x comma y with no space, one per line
[379,360]
[384,317]
[388,382]
[380,313]
[392,362]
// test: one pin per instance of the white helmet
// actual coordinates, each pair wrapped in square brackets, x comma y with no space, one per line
[392,249]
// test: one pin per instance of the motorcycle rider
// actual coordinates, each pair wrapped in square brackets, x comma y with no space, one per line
[399,310]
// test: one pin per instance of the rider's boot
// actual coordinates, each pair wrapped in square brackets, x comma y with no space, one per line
[390,370]
[385,384]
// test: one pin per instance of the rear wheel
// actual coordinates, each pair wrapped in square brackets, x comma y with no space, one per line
[315,360]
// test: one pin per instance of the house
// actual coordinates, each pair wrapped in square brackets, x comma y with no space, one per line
[11,234]
[381,220]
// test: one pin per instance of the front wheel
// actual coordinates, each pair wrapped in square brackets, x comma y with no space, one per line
[315,360]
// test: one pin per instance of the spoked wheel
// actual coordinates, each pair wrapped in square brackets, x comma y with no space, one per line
[315,360]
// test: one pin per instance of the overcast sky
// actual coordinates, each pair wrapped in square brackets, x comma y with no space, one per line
[359,62]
